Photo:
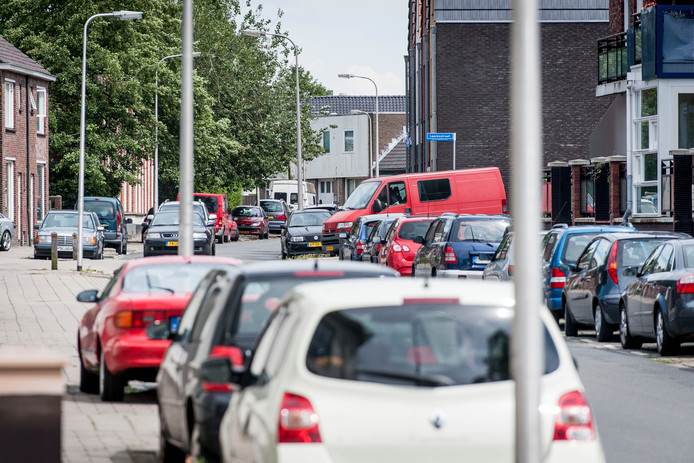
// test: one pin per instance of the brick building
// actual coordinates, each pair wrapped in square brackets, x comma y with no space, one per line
[458,80]
[23,140]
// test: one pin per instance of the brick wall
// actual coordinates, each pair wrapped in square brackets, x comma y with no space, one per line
[390,126]
[474,84]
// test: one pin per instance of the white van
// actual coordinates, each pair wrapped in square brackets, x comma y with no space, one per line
[287,191]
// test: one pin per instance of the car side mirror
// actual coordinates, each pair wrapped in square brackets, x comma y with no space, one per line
[376,240]
[88,296]
[100,228]
[128,220]
[377,207]
[158,330]
[213,216]
[224,368]
[419,240]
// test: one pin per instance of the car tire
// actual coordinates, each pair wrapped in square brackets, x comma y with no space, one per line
[168,453]
[6,241]
[570,325]
[111,386]
[665,344]
[220,239]
[213,252]
[603,330]
[236,237]
[227,237]
[89,381]
[625,338]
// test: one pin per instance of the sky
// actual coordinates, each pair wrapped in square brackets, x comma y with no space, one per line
[367,37]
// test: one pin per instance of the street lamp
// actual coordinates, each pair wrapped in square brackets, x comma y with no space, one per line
[299,162]
[156,126]
[378,142]
[360,112]
[123,16]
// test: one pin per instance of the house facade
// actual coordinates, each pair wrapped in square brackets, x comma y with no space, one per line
[24,161]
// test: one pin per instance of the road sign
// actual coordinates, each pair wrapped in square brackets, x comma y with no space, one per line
[441,136]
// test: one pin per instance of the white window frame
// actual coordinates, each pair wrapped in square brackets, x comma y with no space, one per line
[41,173]
[345,141]
[9,104]
[639,153]
[41,113]
[11,191]
[20,191]
[327,134]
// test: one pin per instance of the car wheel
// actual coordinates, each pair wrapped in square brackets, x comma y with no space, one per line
[625,338]
[603,330]
[213,251]
[227,237]
[220,238]
[666,344]
[570,326]
[6,241]
[168,453]
[125,246]
[236,237]
[89,381]
[111,386]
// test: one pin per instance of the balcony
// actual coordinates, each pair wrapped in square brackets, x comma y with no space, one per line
[667,42]
[612,58]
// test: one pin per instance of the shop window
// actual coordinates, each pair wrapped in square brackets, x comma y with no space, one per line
[587,193]
[685,126]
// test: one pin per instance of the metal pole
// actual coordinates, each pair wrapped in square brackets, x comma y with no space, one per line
[526,143]
[156,139]
[299,162]
[54,251]
[378,140]
[454,149]
[185,232]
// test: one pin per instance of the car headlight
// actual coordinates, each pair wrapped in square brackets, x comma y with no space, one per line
[89,240]
[43,239]
[199,236]
[344,225]
[153,235]
[297,239]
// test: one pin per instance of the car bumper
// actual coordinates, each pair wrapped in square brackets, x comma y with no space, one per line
[124,353]
[610,307]
[303,248]
[333,242]
[248,230]
[276,225]
[44,250]
[681,317]
[161,248]
[462,274]
[209,409]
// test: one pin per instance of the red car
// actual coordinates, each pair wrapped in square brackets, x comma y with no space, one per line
[225,228]
[252,220]
[400,249]
[112,341]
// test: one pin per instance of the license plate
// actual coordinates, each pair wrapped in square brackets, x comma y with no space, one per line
[330,248]
[343,235]
[172,244]
[64,248]
[270,217]
[174,322]
[314,244]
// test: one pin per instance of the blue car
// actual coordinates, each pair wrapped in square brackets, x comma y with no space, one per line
[561,248]
[459,246]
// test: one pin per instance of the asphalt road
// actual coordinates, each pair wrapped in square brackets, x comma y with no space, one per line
[642,403]
[250,249]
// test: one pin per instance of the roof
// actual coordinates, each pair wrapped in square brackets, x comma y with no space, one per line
[395,162]
[12,59]
[342,105]
[269,268]
[499,11]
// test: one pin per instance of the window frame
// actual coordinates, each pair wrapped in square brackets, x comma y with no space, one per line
[41,114]
[420,189]
[640,152]
[345,141]
[10,119]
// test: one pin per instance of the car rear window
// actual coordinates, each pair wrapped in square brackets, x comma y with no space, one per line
[271,206]
[58,220]
[211,203]
[104,210]
[634,252]
[575,244]
[418,345]
[246,212]
[368,229]
[165,278]
[411,230]
[486,231]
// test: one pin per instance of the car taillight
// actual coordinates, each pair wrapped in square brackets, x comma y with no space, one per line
[558,279]
[359,247]
[685,285]
[281,217]
[612,264]
[119,218]
[575,420]
[137,319]
[510,269]
[449,255]
[396,247]
[298,421]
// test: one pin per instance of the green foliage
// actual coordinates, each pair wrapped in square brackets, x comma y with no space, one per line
[244,92]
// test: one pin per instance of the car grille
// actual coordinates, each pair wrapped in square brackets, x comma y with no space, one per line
[64,240]
[330,238]
[169,235]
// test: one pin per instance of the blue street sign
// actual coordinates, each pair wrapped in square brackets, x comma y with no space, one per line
[442,136]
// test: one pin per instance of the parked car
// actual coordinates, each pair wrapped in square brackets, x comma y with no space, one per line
[217,206]
[361,232]
[561,248]
[198,207]
[301,235]
[162,235]
[252,220]
[332,208]
[658,305]
[433,359]
[112,343]
[468,191]
[6,233]
[145,223]
[221,324]
[400,247]
[112,217]
[459,246]
[502,264]
[596,283]
[64,224]
[374,245]
[277,212]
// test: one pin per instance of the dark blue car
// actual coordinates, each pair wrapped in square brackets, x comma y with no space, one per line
[459,246]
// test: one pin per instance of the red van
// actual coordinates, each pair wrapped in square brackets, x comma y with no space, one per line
[225,229]
[470,191]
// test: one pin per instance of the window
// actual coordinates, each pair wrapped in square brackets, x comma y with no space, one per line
[585,258]
[649,265]
[192,309]
[434,190]
[646,162]
[326,141]
[575,245]
[502,250]
[40,110]
[439,232]
[432,229]
[349,141]
[397,194]
[548,244]
[587,193]
[600,254]
[664,260]
[41,209]
[326,186]
[204,313]
[106,292]
[9,98]
[685,126]
[10,190]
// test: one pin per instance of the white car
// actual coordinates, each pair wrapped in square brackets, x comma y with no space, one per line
[399,371]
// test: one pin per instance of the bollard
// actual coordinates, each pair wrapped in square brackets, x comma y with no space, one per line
[31,390]
[54,251]
[74,246]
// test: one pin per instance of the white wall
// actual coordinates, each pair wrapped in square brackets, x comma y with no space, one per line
[338,163]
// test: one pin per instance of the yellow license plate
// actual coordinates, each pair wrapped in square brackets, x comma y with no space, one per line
[172,244]
[314,244]
[330,248]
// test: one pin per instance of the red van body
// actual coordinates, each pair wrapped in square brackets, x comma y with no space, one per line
[469,191]
[225,229]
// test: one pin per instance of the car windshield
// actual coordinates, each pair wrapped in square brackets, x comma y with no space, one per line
[172,218]
[488,231]
[361,196]
[246,212]
[418,345]
[308,219]
[411,230]
[575,244]
[67,221]
[198,208]
[169,278]
[635,252]
[271,206]
[210,203]
[104,210]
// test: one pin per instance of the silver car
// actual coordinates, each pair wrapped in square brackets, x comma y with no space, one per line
[64,223]
[6,233]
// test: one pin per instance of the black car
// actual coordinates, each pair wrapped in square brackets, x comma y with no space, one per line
[659,304]
[112,217]
[146,221]
[603,271]
[214,341]
[162,235]
[378,239]
[302,233]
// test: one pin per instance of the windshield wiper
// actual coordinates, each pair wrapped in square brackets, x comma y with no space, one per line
[150,286]
[420,380]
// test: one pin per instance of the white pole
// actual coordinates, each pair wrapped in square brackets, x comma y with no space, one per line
[526,144]
[378,140]
[299,162]
[185,233]
[454,147]
[156,139]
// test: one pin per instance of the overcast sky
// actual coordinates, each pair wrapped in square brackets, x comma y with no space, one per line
[367,37]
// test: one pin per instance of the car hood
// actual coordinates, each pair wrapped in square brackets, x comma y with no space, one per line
[64,231]
[300,231]
[172,229]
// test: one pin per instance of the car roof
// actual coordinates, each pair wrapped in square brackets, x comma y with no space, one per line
[577,229]
[483,217]
[314,265]
[433,175]
[635,236]
[100,198]
[370,217]
[65,211]
[271,200]
[178,260]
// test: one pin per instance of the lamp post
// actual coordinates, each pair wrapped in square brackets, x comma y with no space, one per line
[156,126]
[360,112]
[378,142]
[299,162]
[123,16]
[186,245]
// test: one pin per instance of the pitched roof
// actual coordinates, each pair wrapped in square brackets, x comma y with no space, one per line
[13,59]
[344,104]
[395,162]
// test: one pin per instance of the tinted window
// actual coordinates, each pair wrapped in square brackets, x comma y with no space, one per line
[308,219]
[433,190]
[481,230]
[585,257]
[662,264]
[634,252]
[548,245]
[165,278]
[104,210]
[420,345]
[368,229]
[651,260]
[282,196]
[271,206]
[502,250]
[411,230]
[210,202]
[246,212]
[575,244]
[601,252]
[204,313]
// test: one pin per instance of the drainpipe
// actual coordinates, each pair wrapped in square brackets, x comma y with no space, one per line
[29,201]
[627,10]
[629,96]
[433,124]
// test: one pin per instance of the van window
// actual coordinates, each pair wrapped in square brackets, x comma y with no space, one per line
[434,190]
[397,194]
[281,196]
[104,210]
